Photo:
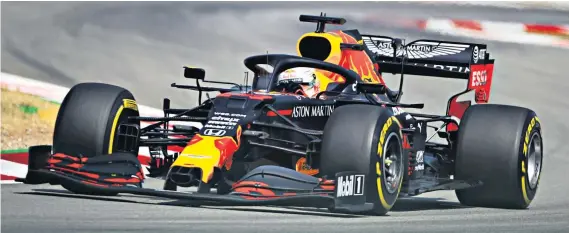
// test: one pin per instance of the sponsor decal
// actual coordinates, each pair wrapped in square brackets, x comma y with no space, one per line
[420,48]
[217,126]
[479,78]
[482,54]
[378,171]
[214,132]
[475,54]
[288,79]
[350,185]
[412,47]
[416,50]
[461,69]
[383,44]
[130,104]
[397,111]
[224,120]
[419,126]
[481,96]
[478,55]
[197,156]
[525,150]
[312,111]
[449,68]
[419,158]
[383,135]
[229,114]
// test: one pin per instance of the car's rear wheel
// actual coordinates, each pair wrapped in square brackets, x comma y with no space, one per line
[369,143]
[502,147]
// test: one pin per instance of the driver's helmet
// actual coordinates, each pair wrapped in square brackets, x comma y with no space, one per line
[306,77]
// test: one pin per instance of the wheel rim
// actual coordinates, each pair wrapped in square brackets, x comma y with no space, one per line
[392,163]
[534,160]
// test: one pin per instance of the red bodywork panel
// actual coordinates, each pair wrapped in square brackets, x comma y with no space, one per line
[479,81]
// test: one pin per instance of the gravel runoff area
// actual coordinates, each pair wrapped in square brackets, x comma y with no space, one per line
[26,120]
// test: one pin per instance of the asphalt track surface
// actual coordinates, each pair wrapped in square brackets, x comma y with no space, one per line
[142,46]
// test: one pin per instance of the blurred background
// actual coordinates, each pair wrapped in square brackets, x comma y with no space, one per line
[142,46]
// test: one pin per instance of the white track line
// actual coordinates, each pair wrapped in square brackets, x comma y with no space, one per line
[510,32]
[10,168]
[57,93]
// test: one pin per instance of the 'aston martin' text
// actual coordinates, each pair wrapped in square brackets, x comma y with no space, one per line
[312,111]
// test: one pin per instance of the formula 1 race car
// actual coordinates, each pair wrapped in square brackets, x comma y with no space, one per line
[349,146]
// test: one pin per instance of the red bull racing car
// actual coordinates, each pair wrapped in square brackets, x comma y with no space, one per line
[316,129]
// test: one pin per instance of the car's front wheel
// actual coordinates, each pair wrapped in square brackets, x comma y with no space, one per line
[366,139]
[88,123]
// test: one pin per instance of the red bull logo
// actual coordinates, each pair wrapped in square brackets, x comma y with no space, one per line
[208,153]
[357,61]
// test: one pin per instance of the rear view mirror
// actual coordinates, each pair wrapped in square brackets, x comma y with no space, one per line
[194,73]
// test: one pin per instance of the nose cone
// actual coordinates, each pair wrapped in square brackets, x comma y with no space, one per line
[205,153]
[183,176]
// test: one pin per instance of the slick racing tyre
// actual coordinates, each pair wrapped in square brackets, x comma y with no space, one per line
[502,147]
[368,140]
[88,121]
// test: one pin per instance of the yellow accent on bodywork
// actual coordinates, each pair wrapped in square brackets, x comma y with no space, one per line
[303,167]
[203,154]
[334,56]
[334,40]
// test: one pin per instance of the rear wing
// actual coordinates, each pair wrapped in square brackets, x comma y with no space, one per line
[445,59]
